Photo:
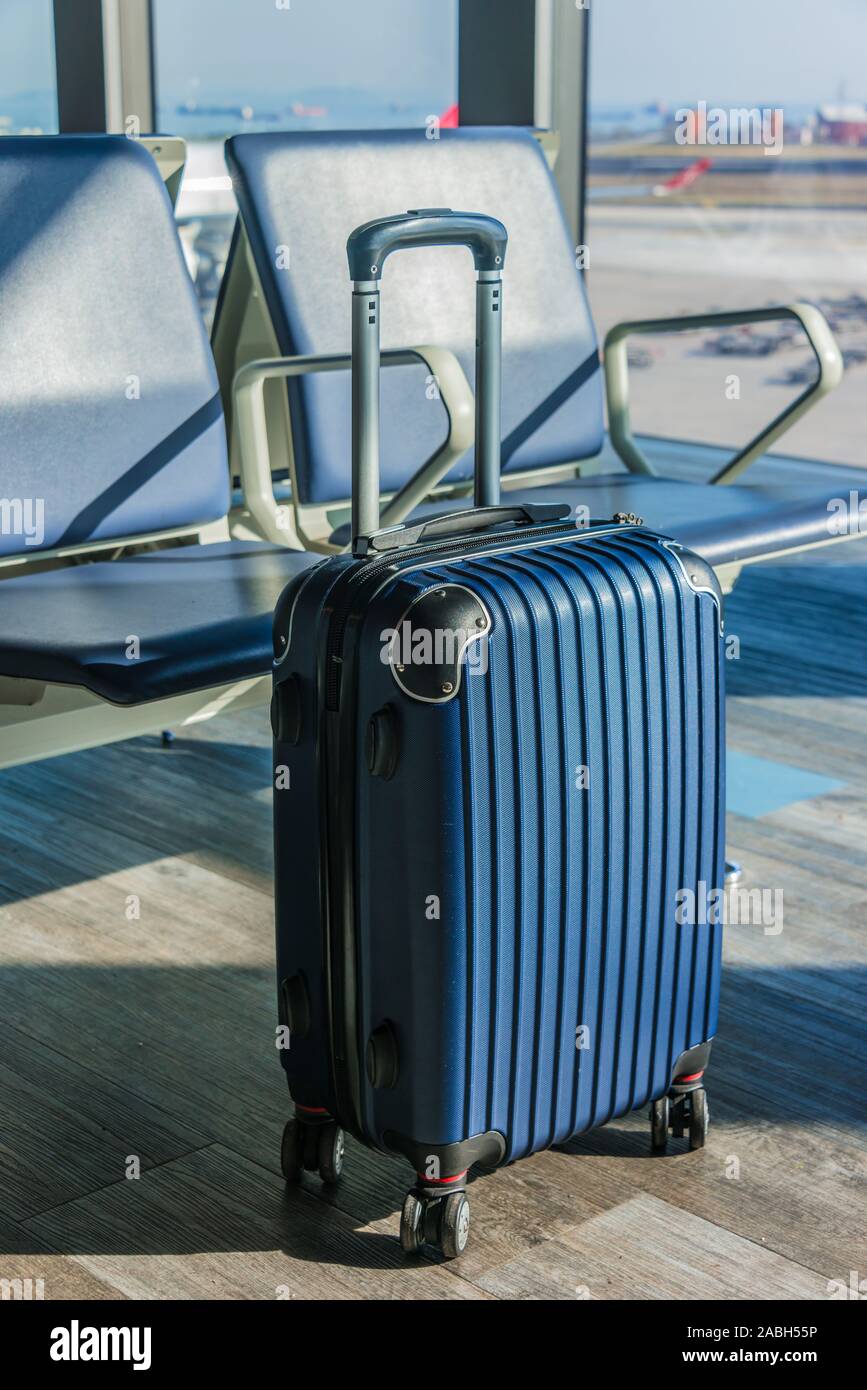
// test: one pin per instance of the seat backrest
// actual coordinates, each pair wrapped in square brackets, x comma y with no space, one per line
[110,418]
[300,196]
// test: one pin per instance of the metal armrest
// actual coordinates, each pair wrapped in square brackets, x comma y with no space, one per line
[819,336]
[255,463]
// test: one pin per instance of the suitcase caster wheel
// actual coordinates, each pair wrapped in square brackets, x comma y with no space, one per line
[659,1118]
[412,1224]
[310,1148]
[291,1152]
[678,1117]
[332,1148]
[455,1225]
[699,1118]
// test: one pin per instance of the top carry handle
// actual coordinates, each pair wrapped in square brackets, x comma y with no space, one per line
[367,248]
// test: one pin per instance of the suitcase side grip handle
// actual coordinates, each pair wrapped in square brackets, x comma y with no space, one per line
[370,244]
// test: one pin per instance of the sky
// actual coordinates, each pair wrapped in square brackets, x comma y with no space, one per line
[397,47]
[730,51]
[26,45]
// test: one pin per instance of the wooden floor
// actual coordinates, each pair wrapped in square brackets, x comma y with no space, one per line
[136,1024]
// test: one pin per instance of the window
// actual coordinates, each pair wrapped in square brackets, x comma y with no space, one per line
[227,65]
[224,66]
[728,169]
[28,85]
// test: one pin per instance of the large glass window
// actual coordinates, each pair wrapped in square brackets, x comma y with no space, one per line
[229,65]
[728,169]
[28,84]
[224,66]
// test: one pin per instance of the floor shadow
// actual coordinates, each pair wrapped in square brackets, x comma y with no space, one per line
[61,824]
[176,1066]
[800,627]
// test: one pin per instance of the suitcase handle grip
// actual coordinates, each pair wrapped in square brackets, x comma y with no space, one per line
[465,523]
[367,248]
[369,245]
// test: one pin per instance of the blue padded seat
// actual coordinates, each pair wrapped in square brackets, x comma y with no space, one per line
[727,525]
[202,614]
[111,413]
[304,193]
[110,416]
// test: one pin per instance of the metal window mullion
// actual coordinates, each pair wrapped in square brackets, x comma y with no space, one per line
[112,67]
[104,61]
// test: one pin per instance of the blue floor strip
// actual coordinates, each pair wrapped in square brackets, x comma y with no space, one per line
[757,786]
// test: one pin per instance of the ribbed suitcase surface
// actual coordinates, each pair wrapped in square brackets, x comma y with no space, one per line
[552,810]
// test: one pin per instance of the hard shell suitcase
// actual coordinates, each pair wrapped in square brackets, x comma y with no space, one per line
[499,749]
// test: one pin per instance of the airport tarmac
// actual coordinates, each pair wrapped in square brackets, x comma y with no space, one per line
[654,261]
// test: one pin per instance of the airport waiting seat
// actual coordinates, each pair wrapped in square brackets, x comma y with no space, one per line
[124,605]
[286,293]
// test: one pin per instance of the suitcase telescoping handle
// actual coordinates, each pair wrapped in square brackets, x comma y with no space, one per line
[367,248]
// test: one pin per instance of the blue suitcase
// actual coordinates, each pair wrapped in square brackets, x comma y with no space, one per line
[499,750]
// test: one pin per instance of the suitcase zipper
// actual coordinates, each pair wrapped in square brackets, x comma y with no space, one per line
[369,569]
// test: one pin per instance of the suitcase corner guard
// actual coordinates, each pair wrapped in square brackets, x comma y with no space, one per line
[436,1162]
[431,639]
[690,1067]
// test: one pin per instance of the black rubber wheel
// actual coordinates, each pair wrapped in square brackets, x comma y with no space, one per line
[678,1118]
[310,1147]
[332,1145]
[290,1152]
[412,1224]
[659,1116]
[455,1225]
[699,1118]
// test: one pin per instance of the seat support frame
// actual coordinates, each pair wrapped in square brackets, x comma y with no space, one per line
[819,336]
[271,518]
[43,721]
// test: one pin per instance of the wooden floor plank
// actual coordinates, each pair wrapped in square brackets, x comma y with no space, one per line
[776,1180]
[34,1272]
[214,1225]
[67,1130]
[649,1249]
